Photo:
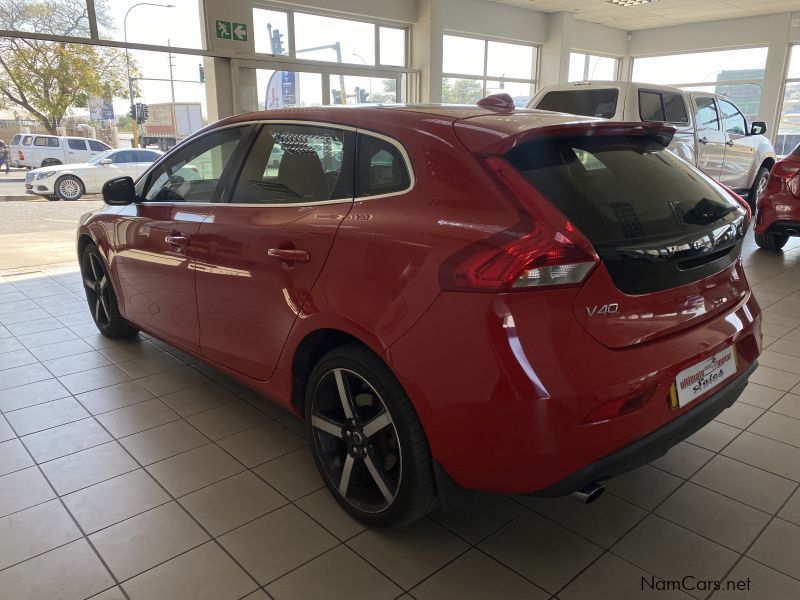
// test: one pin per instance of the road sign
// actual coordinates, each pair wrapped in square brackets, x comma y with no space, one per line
[239,32]
[224,30]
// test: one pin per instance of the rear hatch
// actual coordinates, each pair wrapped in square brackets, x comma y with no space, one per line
[668,237]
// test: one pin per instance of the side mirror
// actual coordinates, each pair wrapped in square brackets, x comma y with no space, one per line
[119,191]
[105,161]
[758,128]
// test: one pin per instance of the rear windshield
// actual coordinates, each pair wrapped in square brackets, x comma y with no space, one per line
[589,103]
[15,139]
[624,191]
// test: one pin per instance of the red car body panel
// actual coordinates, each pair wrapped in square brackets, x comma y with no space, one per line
[780,203]
[502,382]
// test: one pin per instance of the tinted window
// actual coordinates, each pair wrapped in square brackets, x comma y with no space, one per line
[706,115]
[146,156]
[49,142]
[296,163]
[650,108]
[124,156]
[15,139]
[76,144]
[192,174]
[662,106]
[590,103]
[381,168]
[96,146]
[623,189]
[732,119]
[675,108]
[27,140]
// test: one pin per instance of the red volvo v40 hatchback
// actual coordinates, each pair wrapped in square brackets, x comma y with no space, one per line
[454,298]
[778,215]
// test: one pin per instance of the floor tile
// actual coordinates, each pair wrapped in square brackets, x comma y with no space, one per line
[772,548]
[716,517]
[205,573]
[778,427]
[325,510]
[277,543]
[260,444]
[227,420]
[714,436]
[114,593]
[52,575]
[130,350]
[114,397]
[87,467]
[9,344]
[739,415]
[49,332]
[646,486]
[44,416]
[779,380]
[22,489]
[198,398]
[164,441]
[195,469]
[479,516]
[115,500]
[775,457]
[61,349]
[65,439]
[33,393]
[788,405]
[791,510]
[336,575]
[543,552]
[93,379]
[612,578]
[76,363]
[137,417]
[6,433]
[150,365]
[34,531]
[148,539]
[757,582]
[683,460]
[745,483]
[293,475]
[678,552]
[172,381]
[232,502]
[777,360]
[16,358]
[788,347]
[13,457]
[10,378]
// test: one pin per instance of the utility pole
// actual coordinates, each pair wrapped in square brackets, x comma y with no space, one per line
[171,65]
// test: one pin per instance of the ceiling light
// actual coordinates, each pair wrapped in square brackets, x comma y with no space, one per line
[631,2]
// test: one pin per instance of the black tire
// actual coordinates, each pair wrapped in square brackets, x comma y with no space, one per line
[69,187]
[51,162]
[396,452]
[756,191]
[52,197]
[771,241]
[101,296]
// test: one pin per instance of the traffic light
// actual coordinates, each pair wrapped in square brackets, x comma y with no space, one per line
[134,112]
[202,73]
[362,96]
[337,96]
[140,112]
[276,40]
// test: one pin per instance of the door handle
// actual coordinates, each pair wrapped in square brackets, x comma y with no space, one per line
[287,255]
[177,240]
[729,142]
[703,140]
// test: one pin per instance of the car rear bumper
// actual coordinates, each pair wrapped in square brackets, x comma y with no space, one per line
[778,212]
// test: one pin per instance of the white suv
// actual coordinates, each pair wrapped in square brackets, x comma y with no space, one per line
[711,132]
[40,150]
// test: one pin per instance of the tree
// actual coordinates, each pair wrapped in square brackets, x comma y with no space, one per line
[389,94]
[461,91]
[48,78]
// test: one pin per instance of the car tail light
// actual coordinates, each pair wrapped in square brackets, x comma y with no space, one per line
[21,155]
[787,173]
[742,202]
[545,249]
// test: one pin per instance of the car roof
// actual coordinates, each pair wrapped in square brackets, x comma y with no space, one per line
[604,85]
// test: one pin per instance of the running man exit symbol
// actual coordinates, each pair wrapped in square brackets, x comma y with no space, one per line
[224,30]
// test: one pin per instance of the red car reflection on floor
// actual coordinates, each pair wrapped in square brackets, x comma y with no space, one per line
[778,215]
[453,298]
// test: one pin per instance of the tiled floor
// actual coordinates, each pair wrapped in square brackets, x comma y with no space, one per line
[128,470]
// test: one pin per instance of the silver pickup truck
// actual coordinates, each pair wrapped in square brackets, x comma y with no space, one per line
[711,132]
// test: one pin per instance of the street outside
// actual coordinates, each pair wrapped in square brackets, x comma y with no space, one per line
[34,233]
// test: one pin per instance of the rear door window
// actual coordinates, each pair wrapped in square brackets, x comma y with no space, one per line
[75,144]
[96,146]
[662,106]
[47,142]
[124,156]
[27,140]
[589,103]
[382,168]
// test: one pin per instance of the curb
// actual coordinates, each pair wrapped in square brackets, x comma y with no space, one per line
[24,198]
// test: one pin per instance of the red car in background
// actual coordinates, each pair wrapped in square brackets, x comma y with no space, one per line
[479,298]
[778,215]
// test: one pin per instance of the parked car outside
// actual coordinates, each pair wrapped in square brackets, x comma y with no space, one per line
[13,150]
[40,150]
[710,131]
[70,182]
[778,215]
[480,298]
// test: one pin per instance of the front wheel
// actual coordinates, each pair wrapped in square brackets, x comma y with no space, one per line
[759,185]
[366,439]
[771,241]
[101,297]
[69,187]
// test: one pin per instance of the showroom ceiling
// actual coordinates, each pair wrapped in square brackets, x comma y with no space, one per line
[658,13]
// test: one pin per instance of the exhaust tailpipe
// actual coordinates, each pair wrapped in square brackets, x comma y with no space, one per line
[589,494]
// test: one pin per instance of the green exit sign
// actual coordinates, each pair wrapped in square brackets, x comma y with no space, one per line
[230,30]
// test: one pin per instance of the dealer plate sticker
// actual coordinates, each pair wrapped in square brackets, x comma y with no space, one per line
[694,381]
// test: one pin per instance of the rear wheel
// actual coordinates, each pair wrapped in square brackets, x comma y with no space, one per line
[69,187]
[366,439]
[101,297]
[771,241]
[759,185]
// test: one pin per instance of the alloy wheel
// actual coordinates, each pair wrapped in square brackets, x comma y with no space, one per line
[69,188]
[356,440]
[98,289]
[762,185]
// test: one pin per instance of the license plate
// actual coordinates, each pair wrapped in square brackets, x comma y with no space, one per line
[694,381]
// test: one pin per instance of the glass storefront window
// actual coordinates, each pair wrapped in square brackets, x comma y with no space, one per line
[788,134]
[589,67]
[392,46]
[271,31]
[169,23]
[334,40]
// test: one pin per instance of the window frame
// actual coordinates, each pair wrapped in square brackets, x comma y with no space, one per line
[787,81]
[403,154]
[536,70]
